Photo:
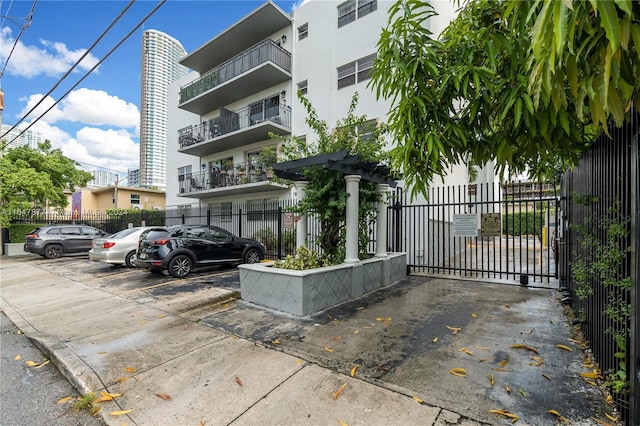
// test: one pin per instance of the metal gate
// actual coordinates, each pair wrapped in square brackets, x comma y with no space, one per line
[491,231]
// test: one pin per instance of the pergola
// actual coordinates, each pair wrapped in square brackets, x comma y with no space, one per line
[354,170]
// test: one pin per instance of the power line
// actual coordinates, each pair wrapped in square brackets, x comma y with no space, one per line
[162,2]
[104,33]
[23,27]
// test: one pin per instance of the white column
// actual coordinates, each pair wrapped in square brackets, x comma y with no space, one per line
[353,200]
[301,224]
[381,221]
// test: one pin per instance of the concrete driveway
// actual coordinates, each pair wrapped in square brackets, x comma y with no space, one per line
[501,340]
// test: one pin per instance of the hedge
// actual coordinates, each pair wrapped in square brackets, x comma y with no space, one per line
[523,223]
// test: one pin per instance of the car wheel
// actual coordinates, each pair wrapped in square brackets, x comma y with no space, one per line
[180,266]
[252,256]
[129,259]
[53,251]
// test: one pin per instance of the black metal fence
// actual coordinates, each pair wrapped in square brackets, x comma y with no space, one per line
[497,231]
[599,243]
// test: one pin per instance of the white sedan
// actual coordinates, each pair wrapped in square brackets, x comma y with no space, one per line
[119,248]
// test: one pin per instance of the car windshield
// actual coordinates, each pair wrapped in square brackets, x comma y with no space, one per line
[155,234]
[121,234]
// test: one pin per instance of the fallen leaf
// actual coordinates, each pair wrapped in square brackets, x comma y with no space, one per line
[383,319]
[499,369]
[454,328]
[164,396]
[484,359]
[17,358]
[435,340]
[360,308]
[356,332]
[610,417]
[31,363]
[112,395]
[591,382]
[529,348]
[507,306]
[474,315]
[299,361]
[418,399]
[558,415]
[130,369]
[491,380]
[601,422]
[547,377]
[514,417]
[383,368]
[483,348]
[460,372]
[565,347]
[328,349]
[43,364]
[337,393]
[275,342]
[582,343]
[102,353]
[609,398]
[65,399]
[503,362]
[508,389]
[121,379]
[335,339]
[466,351]
[522,392]
[341,423]
[238,381]
[353,370]
[591,375]
[121,413]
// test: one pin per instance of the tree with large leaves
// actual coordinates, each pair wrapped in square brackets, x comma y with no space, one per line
[527,84]
[35,178]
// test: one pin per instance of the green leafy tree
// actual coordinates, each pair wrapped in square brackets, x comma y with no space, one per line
[326,194]
[34,178]
[527,84]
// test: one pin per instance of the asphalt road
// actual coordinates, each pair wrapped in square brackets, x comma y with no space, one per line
[30,395]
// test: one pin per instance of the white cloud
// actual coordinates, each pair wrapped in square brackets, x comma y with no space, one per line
[52,59]
[94,107]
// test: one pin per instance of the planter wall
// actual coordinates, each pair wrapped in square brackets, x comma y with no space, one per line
[305,292]
[14,249]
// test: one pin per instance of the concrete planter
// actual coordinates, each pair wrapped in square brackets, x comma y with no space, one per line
[305,292]
[14,249]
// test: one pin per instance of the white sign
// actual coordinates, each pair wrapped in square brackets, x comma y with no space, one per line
[465,225]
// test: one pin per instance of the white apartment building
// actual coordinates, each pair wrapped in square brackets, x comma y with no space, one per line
[244,86]
[17,137]
[160,67]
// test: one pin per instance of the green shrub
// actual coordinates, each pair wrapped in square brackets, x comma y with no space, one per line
[304,259]
[267,237]
[17,231]
[524,223]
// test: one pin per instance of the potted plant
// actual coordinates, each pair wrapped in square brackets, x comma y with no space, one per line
[267,157]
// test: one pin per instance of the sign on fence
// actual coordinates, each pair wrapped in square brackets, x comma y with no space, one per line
[490,225]
[465,225]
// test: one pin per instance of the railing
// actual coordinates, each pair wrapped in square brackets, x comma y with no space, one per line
[230,121]
[262,52]
[221,177]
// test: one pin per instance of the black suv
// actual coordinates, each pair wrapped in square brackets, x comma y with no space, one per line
[52,241]
[180,248]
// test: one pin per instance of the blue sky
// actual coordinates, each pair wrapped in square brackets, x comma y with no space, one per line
[98,122]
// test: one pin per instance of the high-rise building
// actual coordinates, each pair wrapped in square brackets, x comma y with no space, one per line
[161,54]
[30,137]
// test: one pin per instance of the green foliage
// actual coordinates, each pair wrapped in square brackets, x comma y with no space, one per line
[524,223]
[326,194]
[599,263]
[524,83]
[304,259]
[267,237]
[36,178]
[17,231]
[85,402]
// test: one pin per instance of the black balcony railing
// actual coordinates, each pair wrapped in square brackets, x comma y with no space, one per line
[230,121]
[220,177]
[260,53]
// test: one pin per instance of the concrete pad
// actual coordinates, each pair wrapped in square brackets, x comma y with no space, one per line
[307,399]
[204,385]
[141,346]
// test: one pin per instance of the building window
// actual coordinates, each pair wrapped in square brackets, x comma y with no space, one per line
[302,87]
[303,32]
[135,198]
[355,72]
[355,9]
[366,130]
[346,13]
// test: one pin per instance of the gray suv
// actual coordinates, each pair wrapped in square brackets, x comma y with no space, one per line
[52,241]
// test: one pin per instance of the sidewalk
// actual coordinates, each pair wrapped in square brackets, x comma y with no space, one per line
[243,365]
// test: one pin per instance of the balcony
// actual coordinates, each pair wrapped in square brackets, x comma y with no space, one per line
[242,178]
[257,68]
[232,129]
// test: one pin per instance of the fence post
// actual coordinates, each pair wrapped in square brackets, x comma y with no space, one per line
[634,344]
[279,256]
[208,217]
[240,222]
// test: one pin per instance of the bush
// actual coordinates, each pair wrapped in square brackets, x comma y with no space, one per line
[304,259]
[17,231]
[524,223]
[267,237]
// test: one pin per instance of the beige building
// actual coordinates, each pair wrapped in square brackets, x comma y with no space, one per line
[94,200]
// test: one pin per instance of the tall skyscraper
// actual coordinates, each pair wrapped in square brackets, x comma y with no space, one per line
[30,138]
[161,54]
